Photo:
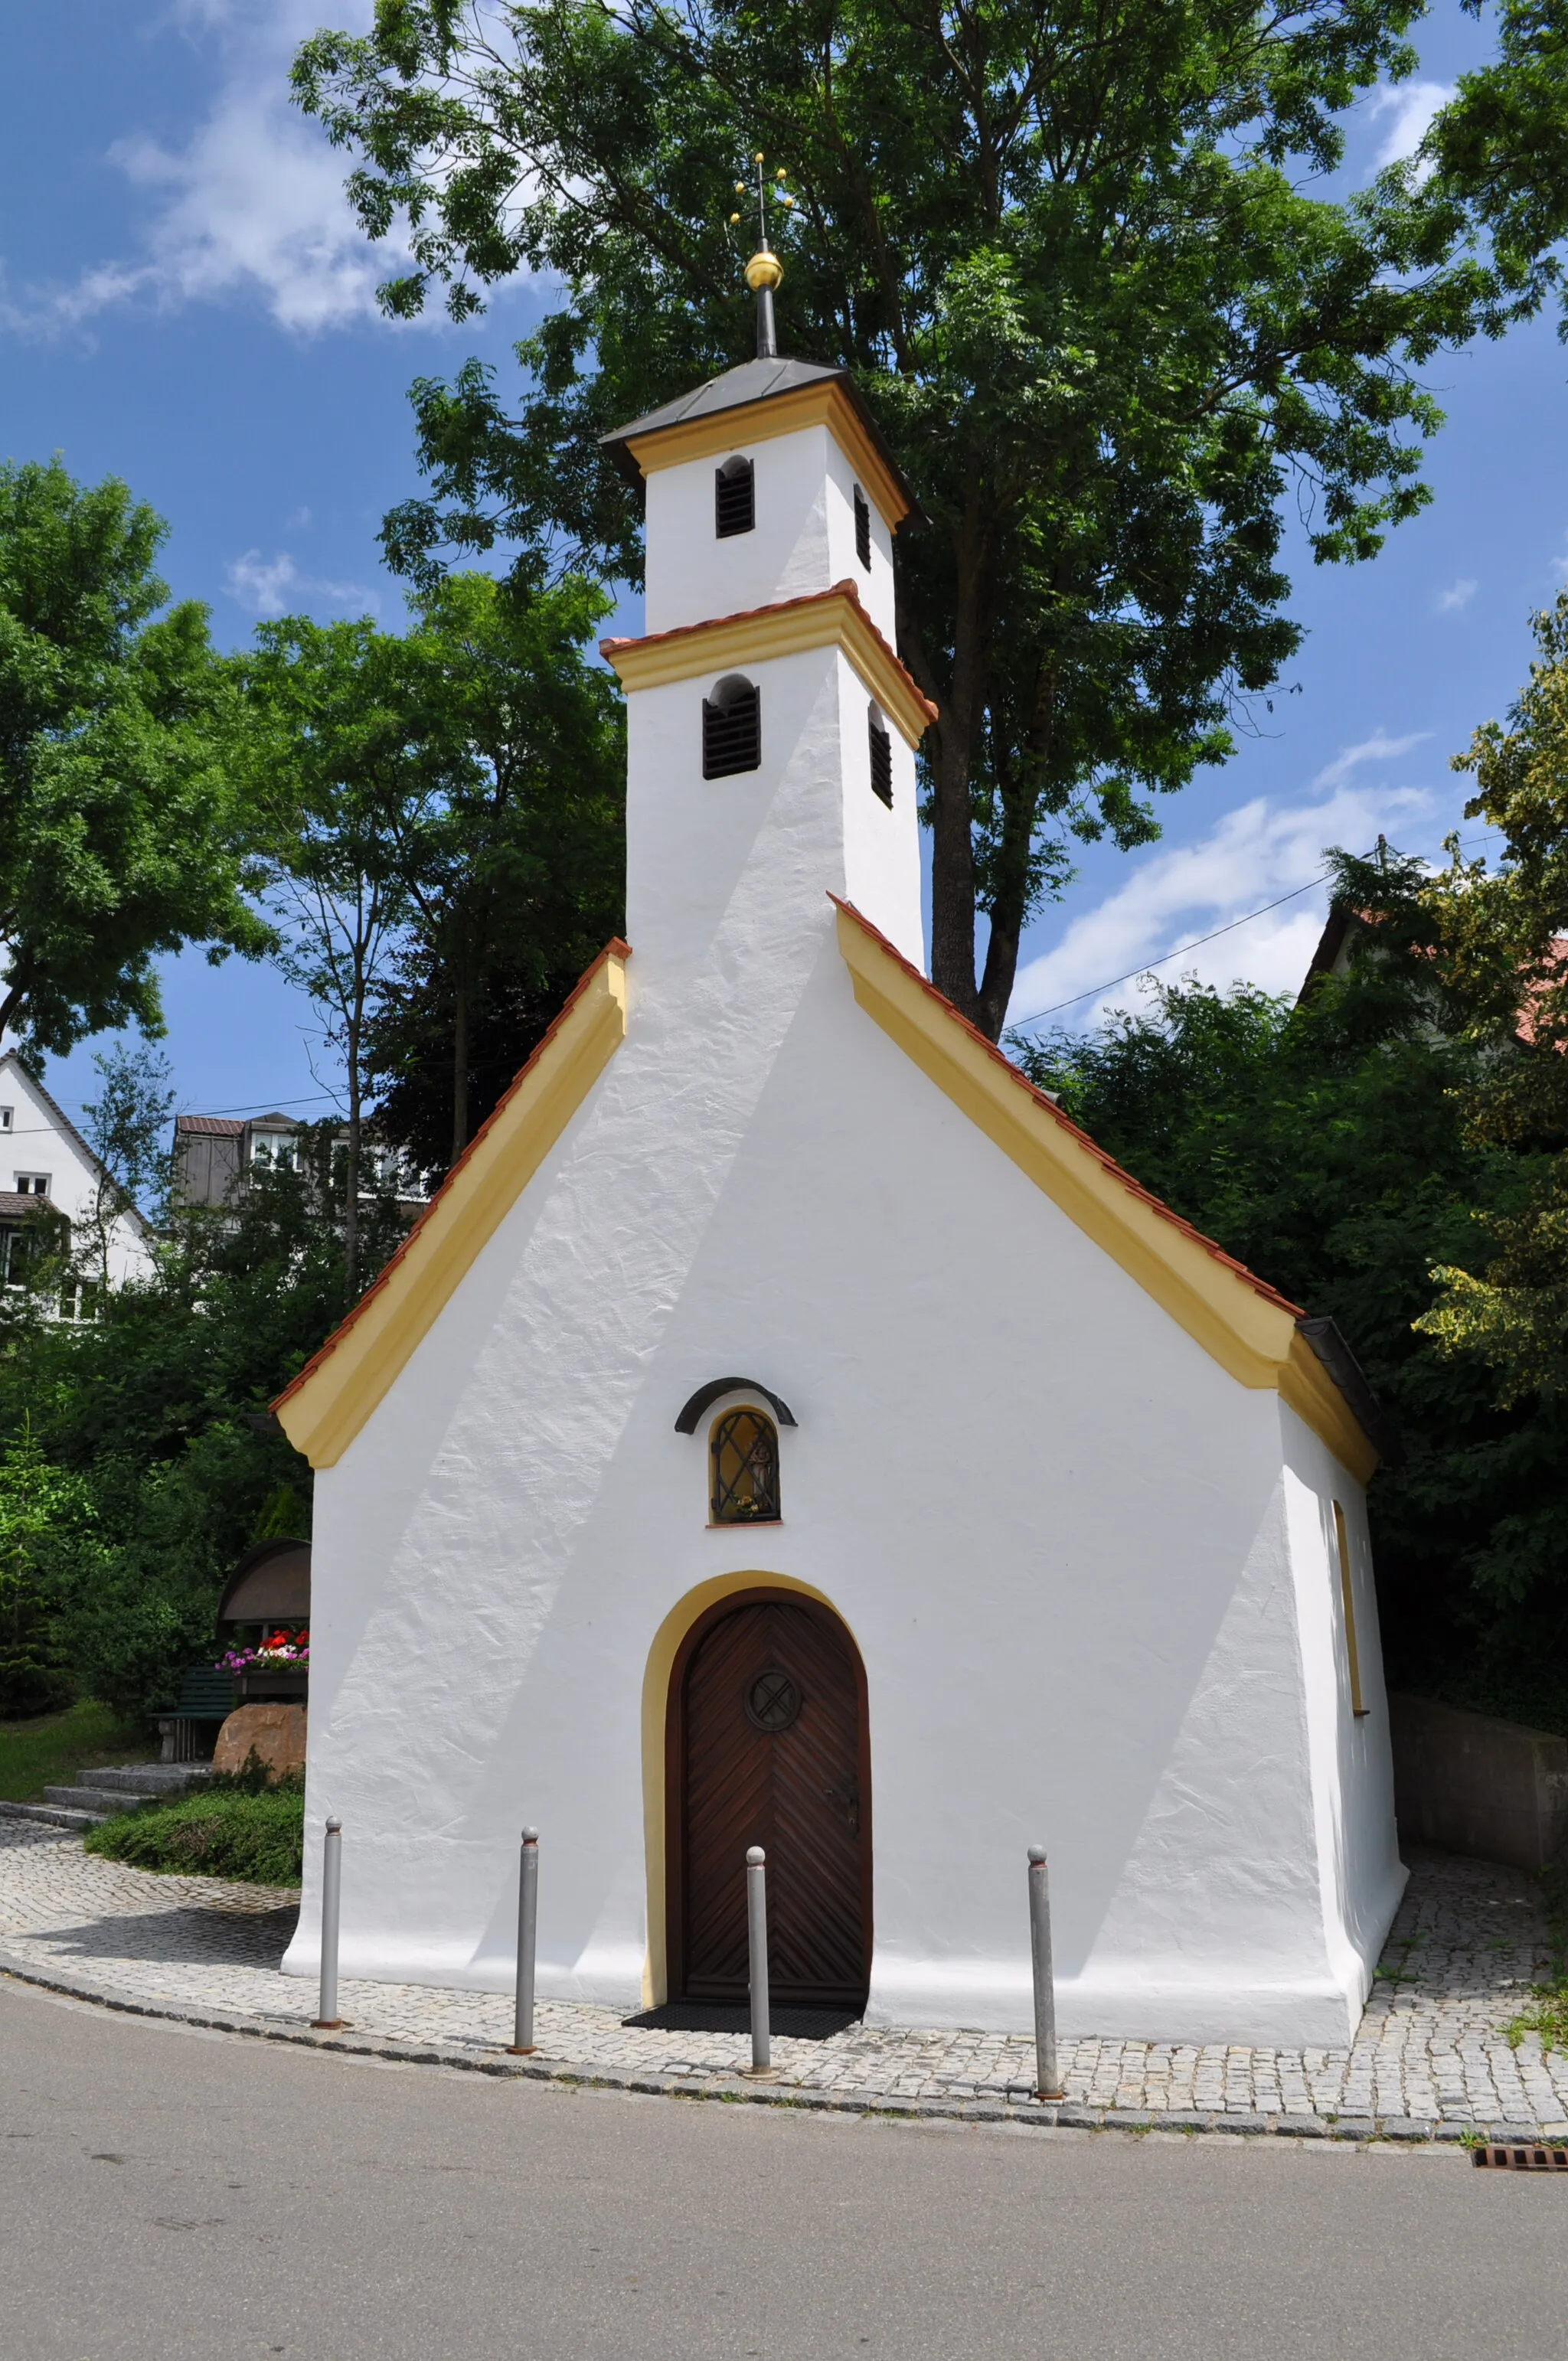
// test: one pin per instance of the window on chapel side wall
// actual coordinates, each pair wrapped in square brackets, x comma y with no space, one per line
[743,1455]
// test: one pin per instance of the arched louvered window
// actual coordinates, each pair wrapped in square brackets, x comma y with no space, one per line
[732,729]
[882,758]
[734,498]
[744,1458]
[862,529]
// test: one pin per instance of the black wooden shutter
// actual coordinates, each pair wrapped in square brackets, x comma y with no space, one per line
[882,762]
[862,529]
[734,498]
[732,731]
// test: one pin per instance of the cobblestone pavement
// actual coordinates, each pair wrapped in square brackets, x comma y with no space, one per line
[1430,2058]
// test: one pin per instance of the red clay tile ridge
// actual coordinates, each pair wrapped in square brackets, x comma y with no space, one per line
[844,590]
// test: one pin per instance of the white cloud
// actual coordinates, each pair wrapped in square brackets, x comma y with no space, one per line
[1256,854]
[275,585]
[1457,596]
[1408,109]
[252,205]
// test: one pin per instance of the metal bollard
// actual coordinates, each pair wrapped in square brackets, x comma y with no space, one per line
[327,2018]
[522,2042]
[1046,2082]
[757,1933]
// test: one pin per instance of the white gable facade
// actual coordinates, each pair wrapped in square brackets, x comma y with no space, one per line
[43,1156]
[1070,1543]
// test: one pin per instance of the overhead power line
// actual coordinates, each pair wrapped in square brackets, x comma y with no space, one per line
[1146,967]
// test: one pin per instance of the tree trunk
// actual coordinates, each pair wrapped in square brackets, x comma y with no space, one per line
[459,1071]
[351,1180]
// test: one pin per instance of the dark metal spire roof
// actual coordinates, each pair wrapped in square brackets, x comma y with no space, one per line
[739,389]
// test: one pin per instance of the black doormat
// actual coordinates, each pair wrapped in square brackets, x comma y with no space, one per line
[720,2016]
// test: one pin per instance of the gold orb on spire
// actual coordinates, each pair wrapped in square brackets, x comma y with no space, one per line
[765,269]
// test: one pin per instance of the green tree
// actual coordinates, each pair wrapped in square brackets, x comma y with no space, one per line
[1327,1146]
[1071,254]
[118,837]
[156,1410]
[515,872]
[341,765]
[1494,942]
[38,1504]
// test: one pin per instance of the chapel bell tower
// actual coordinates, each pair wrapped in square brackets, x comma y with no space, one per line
[770,727]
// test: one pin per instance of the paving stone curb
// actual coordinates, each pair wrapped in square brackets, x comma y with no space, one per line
[1136,2122]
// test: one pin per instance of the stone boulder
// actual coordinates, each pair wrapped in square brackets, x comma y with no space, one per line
[275,1733]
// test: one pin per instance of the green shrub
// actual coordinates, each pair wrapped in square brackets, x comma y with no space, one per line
[257,1838]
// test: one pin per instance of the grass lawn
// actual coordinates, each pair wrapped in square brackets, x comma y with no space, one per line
[50,1750]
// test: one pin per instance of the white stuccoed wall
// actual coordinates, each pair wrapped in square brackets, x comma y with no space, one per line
[1054,1527]
[750,859]
[804,539]
[1084,1567]
[36,1143]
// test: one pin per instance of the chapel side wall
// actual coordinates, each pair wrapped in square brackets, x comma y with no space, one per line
[1352,1770]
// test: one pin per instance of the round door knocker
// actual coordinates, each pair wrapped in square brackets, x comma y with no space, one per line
[773,1701]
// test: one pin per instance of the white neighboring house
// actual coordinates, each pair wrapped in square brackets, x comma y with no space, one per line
[46,1167]
[784,1426]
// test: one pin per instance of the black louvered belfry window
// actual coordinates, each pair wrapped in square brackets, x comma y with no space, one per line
[882,759]
[731,730]
[734,502]
[862,529]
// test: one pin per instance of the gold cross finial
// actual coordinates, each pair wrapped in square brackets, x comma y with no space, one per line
[764,269]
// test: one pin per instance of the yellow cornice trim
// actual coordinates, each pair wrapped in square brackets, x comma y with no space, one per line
[827,405]
[1306,1388]
[334,1394]
[1248,1329]
[826,618]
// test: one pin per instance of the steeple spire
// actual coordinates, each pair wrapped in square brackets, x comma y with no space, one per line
[765,270]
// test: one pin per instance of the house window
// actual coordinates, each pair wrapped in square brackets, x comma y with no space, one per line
[862,529]
[732,729]
[5,1118]
[745,1461]
[1347,1594]
[882,759]
[273,1151]
[32,1184]
[734,498]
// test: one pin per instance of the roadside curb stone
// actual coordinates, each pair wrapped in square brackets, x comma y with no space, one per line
[1431,2053]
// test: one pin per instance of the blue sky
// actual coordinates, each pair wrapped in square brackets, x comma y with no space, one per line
[185,302]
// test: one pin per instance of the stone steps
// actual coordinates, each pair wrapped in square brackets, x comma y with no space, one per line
[55,1816]
[97,1795]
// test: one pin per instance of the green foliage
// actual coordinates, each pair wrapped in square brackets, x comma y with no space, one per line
[1327,1146]
[257,1838]
[1497,944]
[118,837]
[40,1506]
[1081,263]
[515,878]
[48,1749]
[155,1413]
[440,816]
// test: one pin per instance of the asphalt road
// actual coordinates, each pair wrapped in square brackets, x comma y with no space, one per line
[166,2195]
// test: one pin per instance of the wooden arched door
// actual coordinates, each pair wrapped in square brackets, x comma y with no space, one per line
[767,1745]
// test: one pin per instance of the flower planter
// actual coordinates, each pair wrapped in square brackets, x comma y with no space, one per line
[260,1687]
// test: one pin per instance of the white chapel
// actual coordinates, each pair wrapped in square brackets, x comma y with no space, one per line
[784,1427]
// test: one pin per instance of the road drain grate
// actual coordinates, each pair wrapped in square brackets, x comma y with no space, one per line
[1502,2156]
